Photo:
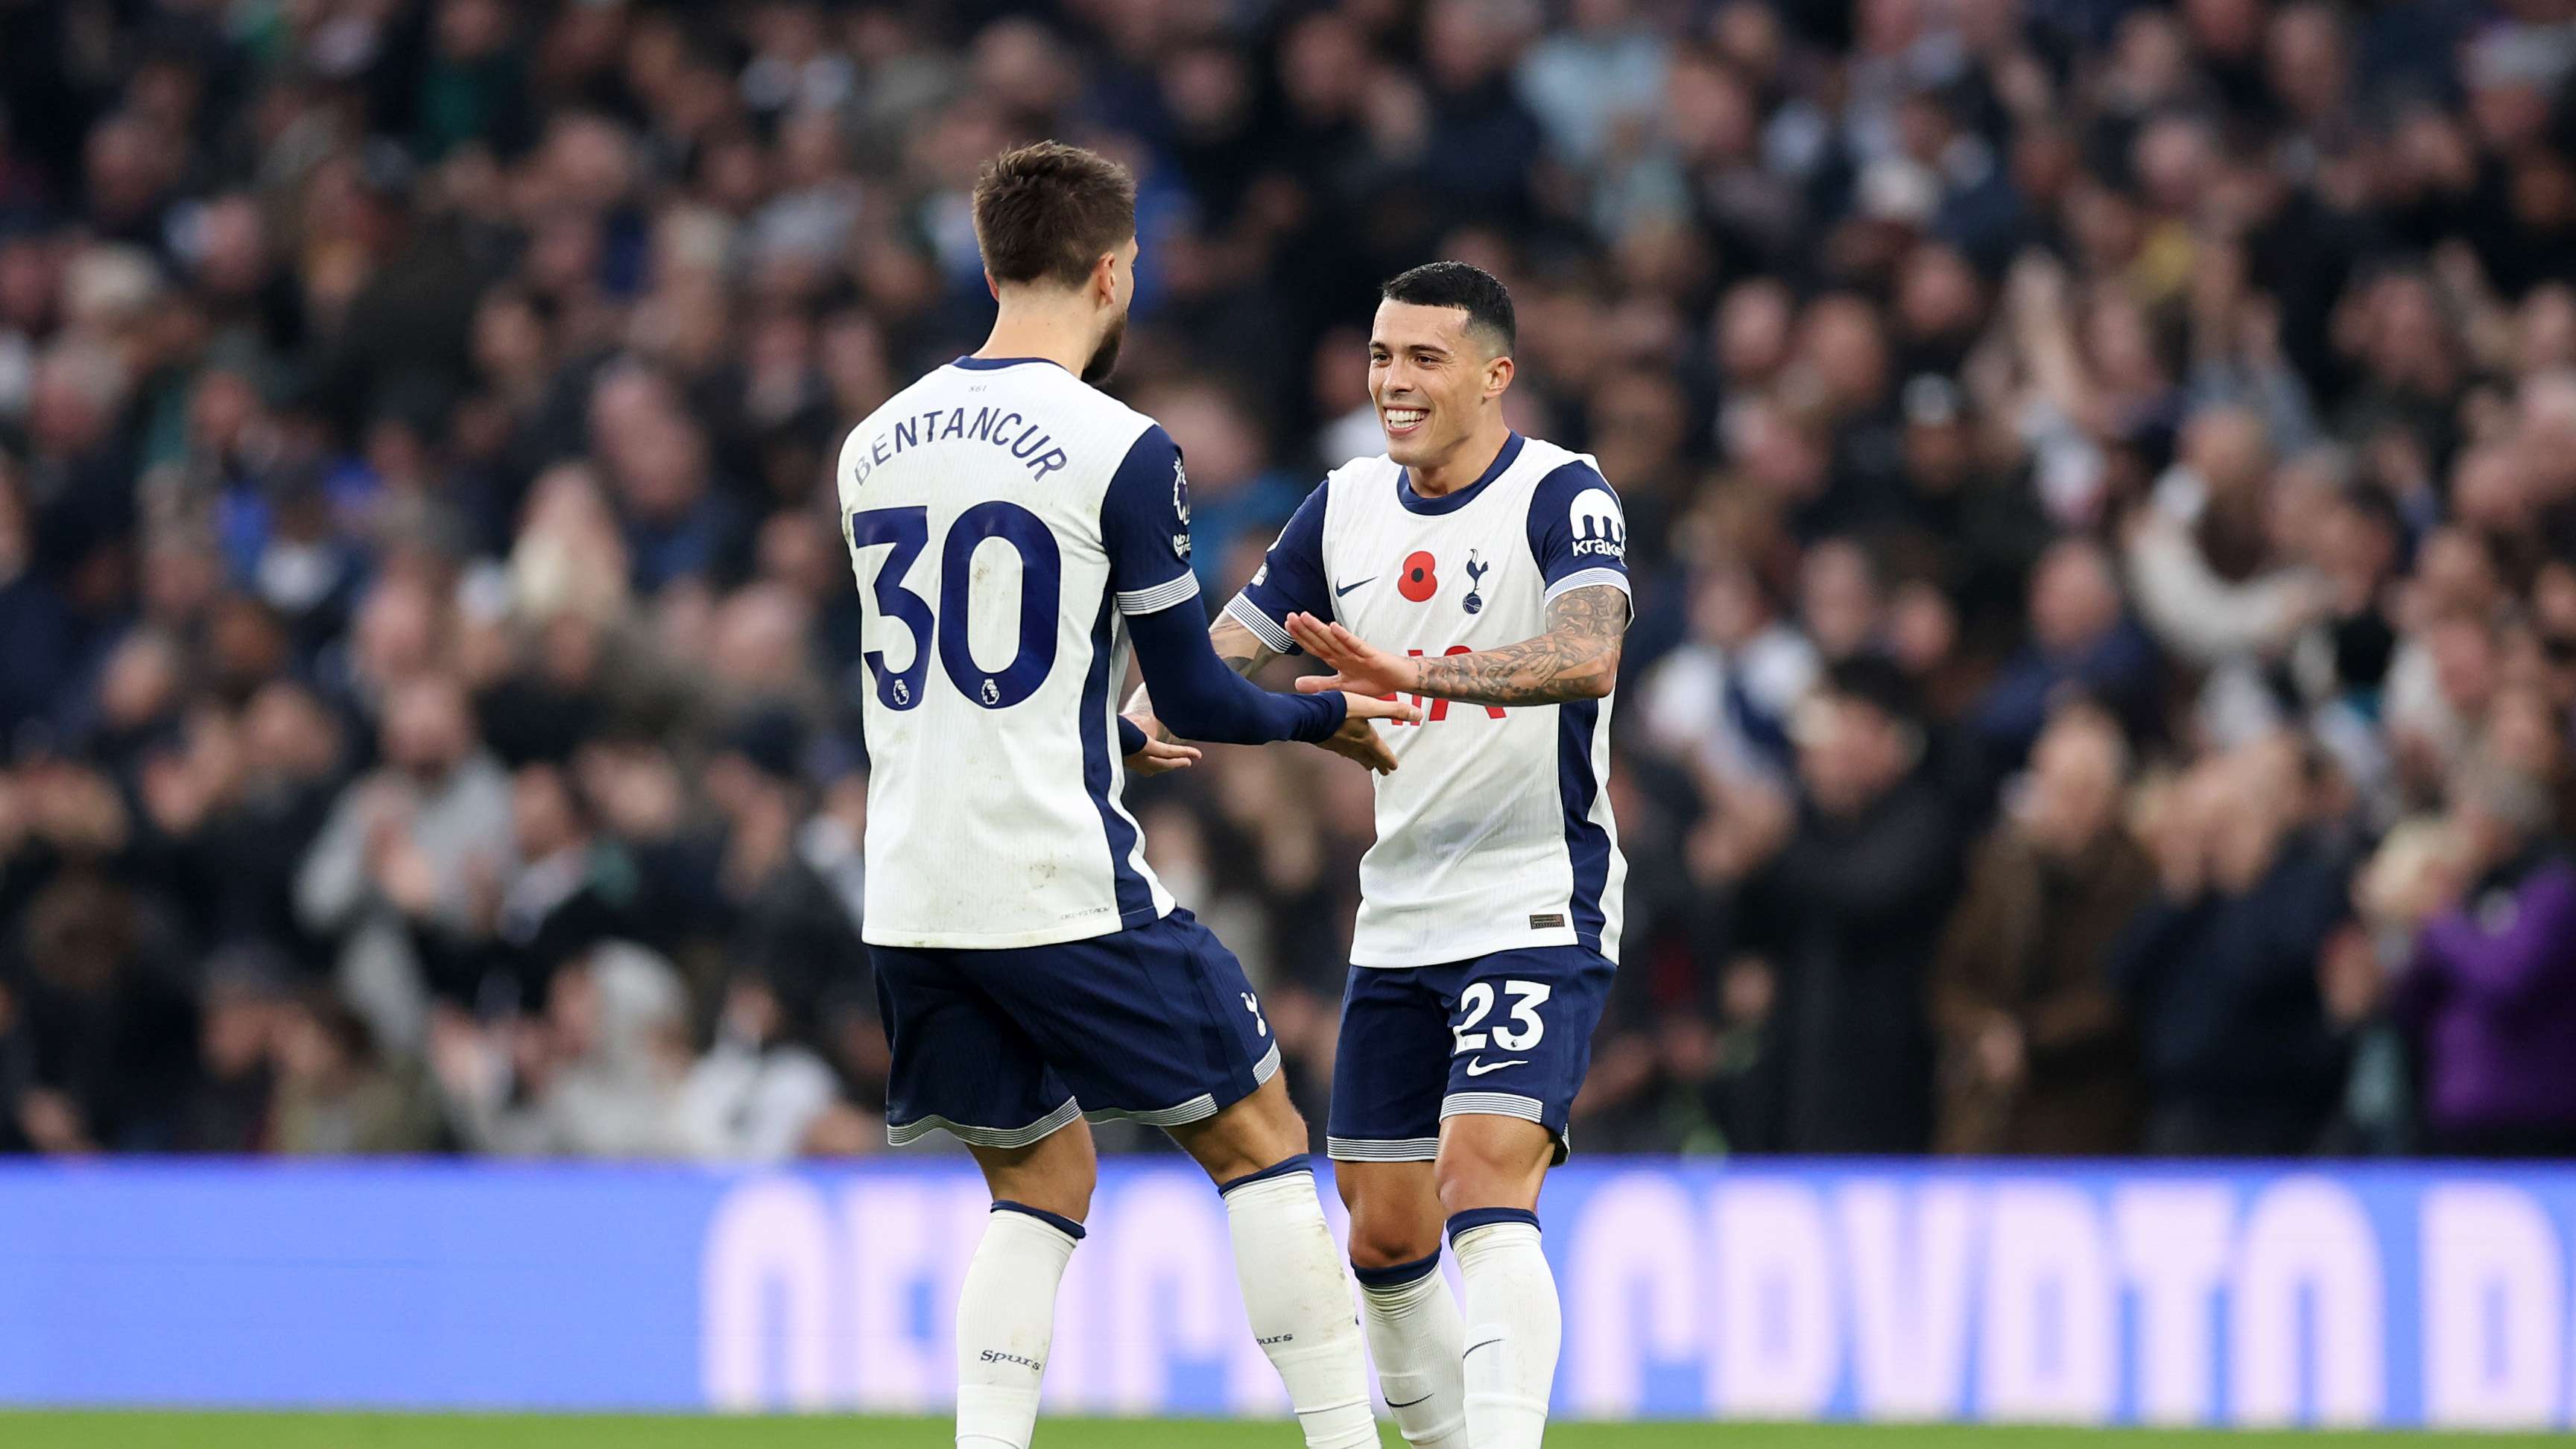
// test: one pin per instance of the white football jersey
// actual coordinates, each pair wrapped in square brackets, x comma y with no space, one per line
[1002,517]
[1495,832]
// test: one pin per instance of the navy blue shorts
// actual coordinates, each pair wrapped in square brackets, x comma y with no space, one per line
[1508,1034]
[1155,1024]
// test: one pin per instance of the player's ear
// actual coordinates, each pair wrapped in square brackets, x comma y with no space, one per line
[1498,375]
[1104,279]
[992,287]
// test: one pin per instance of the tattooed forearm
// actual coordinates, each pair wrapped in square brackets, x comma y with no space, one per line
[1234,644]
[1577,658]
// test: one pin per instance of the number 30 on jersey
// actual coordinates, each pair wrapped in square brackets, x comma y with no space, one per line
[906,533]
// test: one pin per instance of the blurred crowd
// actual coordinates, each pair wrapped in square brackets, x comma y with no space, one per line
[2101,480]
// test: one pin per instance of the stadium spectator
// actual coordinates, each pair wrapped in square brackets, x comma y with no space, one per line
[2036,1051]
[230,1110]
[1847,915]
[1720,704]
[229,811]
[2486,993]
[336,1095]
[755,1096]
[2221,968]
[2081,644]
[408,848]
[109,1012]
[597,1074]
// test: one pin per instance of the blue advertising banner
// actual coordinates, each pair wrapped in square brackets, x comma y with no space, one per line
[2432,1295]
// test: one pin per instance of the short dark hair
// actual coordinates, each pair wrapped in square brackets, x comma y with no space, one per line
[1471,289]
[1049,212]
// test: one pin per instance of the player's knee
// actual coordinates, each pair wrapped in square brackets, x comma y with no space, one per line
[1054,1175]
[1057,1195]
[1390,1239]
[1467,1185]
[1076,1194]
[1067,1193]
[1481,1168]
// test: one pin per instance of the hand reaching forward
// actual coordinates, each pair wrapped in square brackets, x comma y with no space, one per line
[1162,754]
[1360,668]
[1363,708]
[1357,740]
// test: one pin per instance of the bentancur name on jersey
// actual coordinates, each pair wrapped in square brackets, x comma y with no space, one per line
[1002,427]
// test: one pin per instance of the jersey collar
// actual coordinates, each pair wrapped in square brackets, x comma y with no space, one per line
[1451,502]
[995,364]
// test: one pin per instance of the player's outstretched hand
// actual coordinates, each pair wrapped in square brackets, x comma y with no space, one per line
[1359,740]
[1366,707]
[1359,667]
[1162,754]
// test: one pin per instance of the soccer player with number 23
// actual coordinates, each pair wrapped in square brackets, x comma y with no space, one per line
[1483,575]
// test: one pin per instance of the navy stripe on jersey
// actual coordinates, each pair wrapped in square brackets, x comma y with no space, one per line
[1577,532]
[1587,845]
[1145,526]
[996,364]
[1451,502]
[1291,578]
[1135,898]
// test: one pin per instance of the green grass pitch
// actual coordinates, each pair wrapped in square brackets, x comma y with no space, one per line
[425,1431]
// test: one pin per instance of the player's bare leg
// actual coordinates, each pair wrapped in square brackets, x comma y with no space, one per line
[1252,1134]
[1294,1289]
[1489,1172]
[1414,1331]
[1006,1310]
[1395,1212]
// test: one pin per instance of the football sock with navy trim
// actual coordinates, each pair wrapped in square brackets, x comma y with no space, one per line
[1006,1323]
[1299,1301]
[1514,1325]
[1417,1339]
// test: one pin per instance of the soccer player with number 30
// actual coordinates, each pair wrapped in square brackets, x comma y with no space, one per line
[1013,530]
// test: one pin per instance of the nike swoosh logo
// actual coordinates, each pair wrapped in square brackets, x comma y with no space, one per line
[1339,590]
[1488,1343]
[1478,1067]
[1409,1403]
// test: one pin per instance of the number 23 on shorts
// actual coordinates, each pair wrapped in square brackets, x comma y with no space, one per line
[1518,1032]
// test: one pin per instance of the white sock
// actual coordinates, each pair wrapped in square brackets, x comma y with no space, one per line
[1418,1340]
[1006,1322]
[1299,1301]
[1513,1328]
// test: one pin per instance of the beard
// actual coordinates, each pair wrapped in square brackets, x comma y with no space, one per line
[1104,357]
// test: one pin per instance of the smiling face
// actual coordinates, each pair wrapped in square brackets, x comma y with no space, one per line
[1433,377]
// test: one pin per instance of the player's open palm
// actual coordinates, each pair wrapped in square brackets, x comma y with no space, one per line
[1359,667]
[1161,757]
[1162,753]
